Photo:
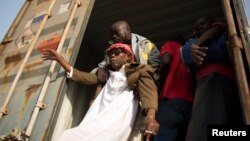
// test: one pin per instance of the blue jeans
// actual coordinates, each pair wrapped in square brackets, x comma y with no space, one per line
[173,116]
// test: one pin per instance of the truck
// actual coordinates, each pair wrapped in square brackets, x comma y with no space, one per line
[37,102]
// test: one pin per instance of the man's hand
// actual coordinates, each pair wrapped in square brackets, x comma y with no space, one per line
[102,75]
[198,53]
[50,54]
[152,127]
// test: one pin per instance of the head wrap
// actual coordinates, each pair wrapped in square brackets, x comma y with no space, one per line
[125,47]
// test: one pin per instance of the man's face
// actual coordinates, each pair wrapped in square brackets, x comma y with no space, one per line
[203,24]
[117,58]
[120,34]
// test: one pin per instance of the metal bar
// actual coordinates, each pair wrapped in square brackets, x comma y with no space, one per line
[17,77]
[50,72]
[243,32]
[238,63]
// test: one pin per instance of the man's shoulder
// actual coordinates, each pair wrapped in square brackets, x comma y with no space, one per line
[139,38]
[139,67]
[134,65]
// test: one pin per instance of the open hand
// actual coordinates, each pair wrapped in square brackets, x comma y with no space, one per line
[198,53]
[50,54]
[102,75]
[152,127]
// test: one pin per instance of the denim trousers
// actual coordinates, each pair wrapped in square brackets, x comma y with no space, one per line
[173,116]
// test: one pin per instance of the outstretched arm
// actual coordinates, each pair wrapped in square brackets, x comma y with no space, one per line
[50,54]
[80,76]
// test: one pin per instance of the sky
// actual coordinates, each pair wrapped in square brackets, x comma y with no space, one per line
[9,10]
[247,5]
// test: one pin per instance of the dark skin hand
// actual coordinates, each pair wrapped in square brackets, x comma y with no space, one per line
[102,75]
[151,125]
[198,50]
[198,53]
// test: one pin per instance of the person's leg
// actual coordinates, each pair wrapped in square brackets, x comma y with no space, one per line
[202,109]
[227,87]
[186,110]
[167,118]
[171,118]
[216,102]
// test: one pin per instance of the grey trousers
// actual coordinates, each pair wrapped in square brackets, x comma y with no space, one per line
[216,102]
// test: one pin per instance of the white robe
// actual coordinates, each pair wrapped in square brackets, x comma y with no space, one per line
[111,116]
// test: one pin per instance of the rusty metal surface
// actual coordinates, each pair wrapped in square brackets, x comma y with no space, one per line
[240,68]
[29,86]
[242,84]
[244,27]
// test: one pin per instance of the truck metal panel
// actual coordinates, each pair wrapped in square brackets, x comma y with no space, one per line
[27,91]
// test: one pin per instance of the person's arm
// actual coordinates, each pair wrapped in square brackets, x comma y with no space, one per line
[146,88]
[83,77]
[164,68]
[149,98]
[50,54]
[209,35]
[185,52]
[198,49]
[152,126]
[153,58]
[154,55]
[101,71]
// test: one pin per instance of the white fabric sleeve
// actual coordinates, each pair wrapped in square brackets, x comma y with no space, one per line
[70,74]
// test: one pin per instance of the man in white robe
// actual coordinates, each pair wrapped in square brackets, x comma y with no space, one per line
[112,114]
